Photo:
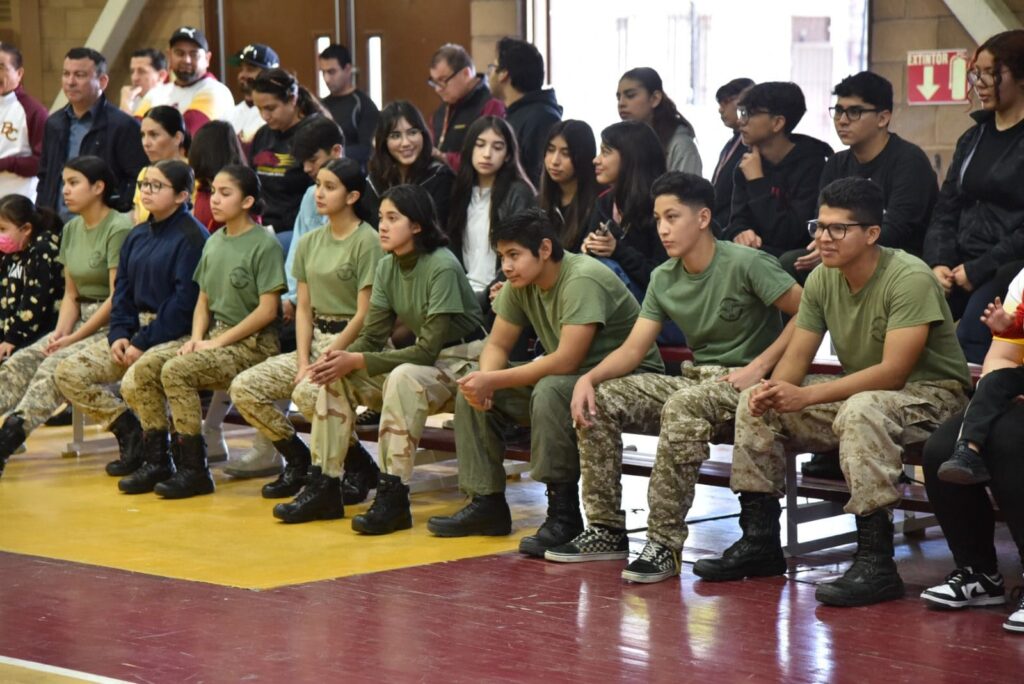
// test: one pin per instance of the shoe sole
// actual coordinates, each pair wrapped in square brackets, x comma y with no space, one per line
[252,474]
[1014,627]
[961,476]
[952,604]
[171,496]
[452,534]
[584,557]
[284,494]
[823,595]
[647,578]
[736,576]
[293,521]
[404,524]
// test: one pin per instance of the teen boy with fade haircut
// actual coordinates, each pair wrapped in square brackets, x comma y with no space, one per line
[727,300]
[581,311]
[904,374]
[775,185]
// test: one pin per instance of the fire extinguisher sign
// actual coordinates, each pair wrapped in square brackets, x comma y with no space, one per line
[937,77]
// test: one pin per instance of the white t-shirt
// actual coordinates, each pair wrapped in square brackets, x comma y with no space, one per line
[14,142]
[1014,296]
[246,120]
[154,98]
[477,254]
[205,100]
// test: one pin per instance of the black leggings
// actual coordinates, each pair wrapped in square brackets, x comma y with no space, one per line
[965,511]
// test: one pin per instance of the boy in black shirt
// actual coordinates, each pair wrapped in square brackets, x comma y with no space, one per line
[351,108]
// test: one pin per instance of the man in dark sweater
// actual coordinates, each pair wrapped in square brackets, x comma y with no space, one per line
[531,111]
[464,95]
[728,97]
[775,189]
[351,108]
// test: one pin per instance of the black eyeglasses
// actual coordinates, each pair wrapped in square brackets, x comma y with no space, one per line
[985,78]
[744,114]
[836,231]
[151,186]
[441,83]
[852,113]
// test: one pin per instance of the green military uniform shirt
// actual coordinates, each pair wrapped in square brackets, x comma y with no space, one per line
[235,270]
[88,254]
[336,270]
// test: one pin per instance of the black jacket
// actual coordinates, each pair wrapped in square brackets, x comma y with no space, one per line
[723,180]
[114,137]
[908,184]
[638,250]
[460,116]
[532,117]
[281,175]
[778,205]
[981,235]
[437,182]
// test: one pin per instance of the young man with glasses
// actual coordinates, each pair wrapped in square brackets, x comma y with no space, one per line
[775,189]
[904,374]
[464,95]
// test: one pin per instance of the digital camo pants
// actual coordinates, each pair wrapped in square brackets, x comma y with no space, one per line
[405,398]
[27,384]
[686,413]
[869,428]
[162,379]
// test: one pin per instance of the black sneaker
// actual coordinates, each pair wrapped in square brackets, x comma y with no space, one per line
[1015,623]
[595,543]
[964,467]
[964,588]
[657,562]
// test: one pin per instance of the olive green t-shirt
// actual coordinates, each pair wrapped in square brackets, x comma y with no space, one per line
[725,311]
[901,293]
[235,270]
[336,270]
[586,292]
[88,254]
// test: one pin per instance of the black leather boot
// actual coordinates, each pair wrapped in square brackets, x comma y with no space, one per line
[563,524]
[486,515]
[823,466]
[320,499]
[390,510]
[873,577]
[128,431]
[758,553]
[156,466]
[12,436]
[361,475]
[293,477]
[193,477]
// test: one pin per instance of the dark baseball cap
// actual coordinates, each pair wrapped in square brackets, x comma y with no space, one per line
[192,34]
[256,54]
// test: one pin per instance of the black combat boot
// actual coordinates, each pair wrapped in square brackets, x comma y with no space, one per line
[390,510]
[156,467]
[320,499]
[563,524]
[823,466]
[293,477]
[486,515]
[758,553]
[12,436]
[361,474]
[873,577]
[193,477]
[128,432]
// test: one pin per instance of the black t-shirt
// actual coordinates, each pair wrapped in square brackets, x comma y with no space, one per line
[284,182]
[357,115]
[987,154]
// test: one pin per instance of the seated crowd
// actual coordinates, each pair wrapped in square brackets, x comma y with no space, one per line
[520,271]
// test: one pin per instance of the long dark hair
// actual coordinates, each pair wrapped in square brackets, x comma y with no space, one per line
[642,160]
[384,170]
[171,120]
[285,87]
[466,179]
[216,145]
[248,184]
[666,117]
[349,174]
[1007,49]
[96,170]
[579,137]
[20,210]
[178,173]
[416,204]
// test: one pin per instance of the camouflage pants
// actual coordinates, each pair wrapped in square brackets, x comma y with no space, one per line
[255,390]
[405,398]
[27,385]
[869,428]
[163,379]
[480,444]
[84,378]
[686,413]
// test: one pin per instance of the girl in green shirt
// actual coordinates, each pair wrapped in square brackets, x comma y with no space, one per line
[89,250]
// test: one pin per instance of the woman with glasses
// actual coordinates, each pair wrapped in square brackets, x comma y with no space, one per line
[154,297]
[975,244]
[403,153]
[641,97]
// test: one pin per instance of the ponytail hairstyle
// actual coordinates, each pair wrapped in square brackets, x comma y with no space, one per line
[579,137]
[249,185]
[96,170]
[416,204]
[642,161]
[179,174]
[285,87]
[20,210]
[466,179]
[666,117]
[347,171]
[171,120]
[385,172]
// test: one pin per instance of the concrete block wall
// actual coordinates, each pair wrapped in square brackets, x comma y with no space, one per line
[490,21]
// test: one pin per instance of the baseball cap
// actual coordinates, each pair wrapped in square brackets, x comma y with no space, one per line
[257,54]
[190,33]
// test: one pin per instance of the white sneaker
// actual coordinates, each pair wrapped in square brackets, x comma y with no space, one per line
[1015,623]
[964,588]
[262,460]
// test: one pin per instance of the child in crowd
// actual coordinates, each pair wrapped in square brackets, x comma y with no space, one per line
[568,189]
[641,97]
